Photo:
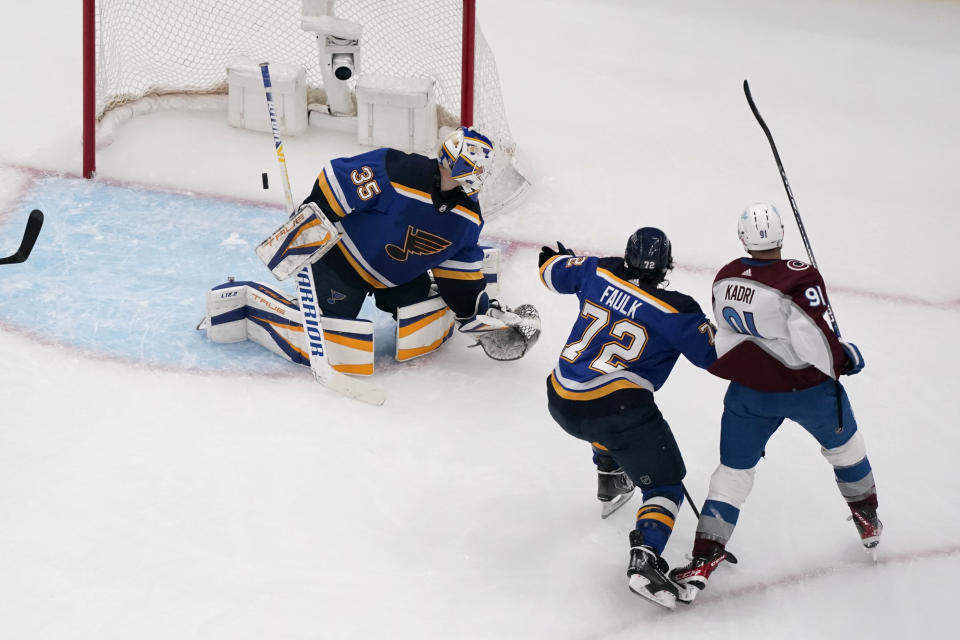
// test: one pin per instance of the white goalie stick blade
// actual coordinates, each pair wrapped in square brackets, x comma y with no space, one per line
[356,388]
[608,507]
[363,390]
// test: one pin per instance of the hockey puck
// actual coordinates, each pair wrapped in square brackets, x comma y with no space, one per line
[266,183]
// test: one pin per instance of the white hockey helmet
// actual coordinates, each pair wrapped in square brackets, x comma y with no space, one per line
[469,156]
[760,227]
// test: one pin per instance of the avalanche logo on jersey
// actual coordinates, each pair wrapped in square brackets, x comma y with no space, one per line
[417,242]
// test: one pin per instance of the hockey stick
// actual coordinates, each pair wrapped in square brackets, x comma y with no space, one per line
[732,559]
[696,511]
[803,232]
[321,368]
[34,223]
[793,202]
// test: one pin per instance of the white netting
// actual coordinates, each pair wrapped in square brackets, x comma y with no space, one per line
[147,49]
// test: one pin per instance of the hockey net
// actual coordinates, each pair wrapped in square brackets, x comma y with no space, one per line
[162,55]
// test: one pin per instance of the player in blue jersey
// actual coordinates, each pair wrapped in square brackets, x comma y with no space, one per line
[401,216]
[623,345]
[389,224]
[783,360]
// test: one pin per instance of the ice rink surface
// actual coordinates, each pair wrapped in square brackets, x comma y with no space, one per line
[154,485]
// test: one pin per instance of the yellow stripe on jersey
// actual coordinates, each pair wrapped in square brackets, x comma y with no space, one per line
[463,211]
[548,264]
[328,194]
[410,191]
[353,343]
[591,394]
[403,332]
[640,292]
[599,446]
[363,273]
[457,275]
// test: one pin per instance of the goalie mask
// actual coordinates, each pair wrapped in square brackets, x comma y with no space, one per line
[469,157]
[760,227]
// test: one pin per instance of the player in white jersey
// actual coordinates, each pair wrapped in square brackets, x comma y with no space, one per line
[783,361]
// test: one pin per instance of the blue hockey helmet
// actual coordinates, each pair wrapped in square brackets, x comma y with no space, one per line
[468,155]
[648,255]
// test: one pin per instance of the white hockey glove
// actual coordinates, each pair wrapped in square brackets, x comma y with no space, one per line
[301,240]
[505,334]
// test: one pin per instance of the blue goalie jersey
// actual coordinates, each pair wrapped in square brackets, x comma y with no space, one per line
[397,224]
[627,337]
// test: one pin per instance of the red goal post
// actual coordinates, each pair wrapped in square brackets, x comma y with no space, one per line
[141,56]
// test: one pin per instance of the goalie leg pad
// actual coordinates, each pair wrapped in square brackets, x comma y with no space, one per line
[422,327]
[302,239]
[238,311]
[349,344]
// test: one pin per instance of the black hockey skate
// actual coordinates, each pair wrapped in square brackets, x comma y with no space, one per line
[692,578]
[647,574]
[614,489]
[864,516]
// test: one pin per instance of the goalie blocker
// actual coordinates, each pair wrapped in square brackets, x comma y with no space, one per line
[299,241]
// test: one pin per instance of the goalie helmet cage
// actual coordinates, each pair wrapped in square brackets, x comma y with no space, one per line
[141,56]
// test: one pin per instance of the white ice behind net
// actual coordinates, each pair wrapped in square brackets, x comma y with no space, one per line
[148,51]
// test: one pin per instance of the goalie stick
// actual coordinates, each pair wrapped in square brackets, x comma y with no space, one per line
[323,372]
[803,232]
[34,223]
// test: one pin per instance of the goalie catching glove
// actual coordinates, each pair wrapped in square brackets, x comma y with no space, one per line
[301,240]
[504,333]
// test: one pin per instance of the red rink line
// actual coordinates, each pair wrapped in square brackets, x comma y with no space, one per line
[715,596]
[722,595]
[877,296]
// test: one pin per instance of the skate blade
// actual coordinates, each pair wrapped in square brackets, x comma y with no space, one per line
[608,507]
[687,593]
[638,584]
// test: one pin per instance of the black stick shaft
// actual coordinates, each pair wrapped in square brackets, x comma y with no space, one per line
[690,501]
[803,234]
[793,202]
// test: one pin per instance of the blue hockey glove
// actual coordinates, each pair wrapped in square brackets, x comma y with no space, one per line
[855,362]
[548,252]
